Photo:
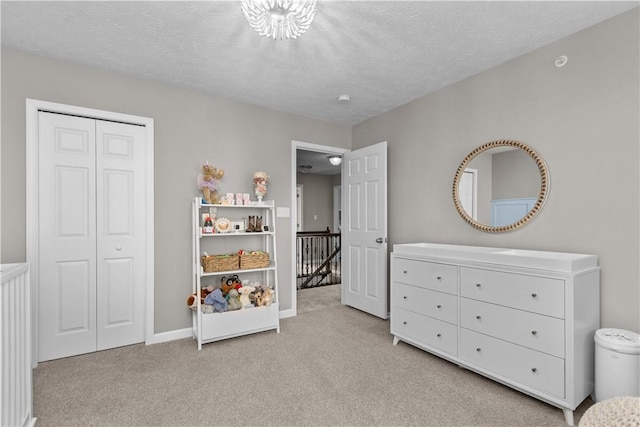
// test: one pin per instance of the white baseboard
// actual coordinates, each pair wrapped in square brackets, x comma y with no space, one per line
[179,334]
[287,313]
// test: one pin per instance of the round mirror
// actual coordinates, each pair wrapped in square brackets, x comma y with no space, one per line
[500,186]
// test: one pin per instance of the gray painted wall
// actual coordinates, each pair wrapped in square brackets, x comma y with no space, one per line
[584,121]
[190,128]
[317,198]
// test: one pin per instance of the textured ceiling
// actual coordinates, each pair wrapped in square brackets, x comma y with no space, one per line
[383,54]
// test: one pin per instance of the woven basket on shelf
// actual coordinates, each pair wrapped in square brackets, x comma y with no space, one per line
[214,263]
[255,260]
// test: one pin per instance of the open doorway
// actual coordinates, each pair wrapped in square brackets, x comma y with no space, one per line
[316,230]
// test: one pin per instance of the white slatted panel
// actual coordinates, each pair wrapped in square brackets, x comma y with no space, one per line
[15,346]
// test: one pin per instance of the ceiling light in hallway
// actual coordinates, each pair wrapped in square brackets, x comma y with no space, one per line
[335,160]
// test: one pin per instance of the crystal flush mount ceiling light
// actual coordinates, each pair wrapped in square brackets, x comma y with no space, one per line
[279,19]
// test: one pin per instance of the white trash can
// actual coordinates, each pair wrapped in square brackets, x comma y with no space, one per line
[617,363]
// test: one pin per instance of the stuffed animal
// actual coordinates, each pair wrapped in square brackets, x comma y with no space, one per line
[233,300]
[227,284]
[208,182]
[216,299]
[191,300]
[267,297]
[244,296]
[255,297]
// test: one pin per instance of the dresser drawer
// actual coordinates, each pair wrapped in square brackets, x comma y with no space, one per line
[424,301]
[429,275]
[424,330]
[532,293]
[526,366]
[536,331]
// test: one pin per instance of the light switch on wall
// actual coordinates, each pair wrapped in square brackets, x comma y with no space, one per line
[282,212]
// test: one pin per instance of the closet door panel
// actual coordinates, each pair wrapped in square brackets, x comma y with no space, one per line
[72,203]
[73,303]
[118,285]
[66,255]
[121,215]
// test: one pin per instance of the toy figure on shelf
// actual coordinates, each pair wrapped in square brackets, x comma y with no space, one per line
[208,182]
[260,183]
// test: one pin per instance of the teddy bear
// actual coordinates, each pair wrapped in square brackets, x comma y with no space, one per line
[244,296]
[216,299]
[233,300]
[208,182]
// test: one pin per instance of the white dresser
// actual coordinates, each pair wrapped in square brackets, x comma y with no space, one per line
[524,318]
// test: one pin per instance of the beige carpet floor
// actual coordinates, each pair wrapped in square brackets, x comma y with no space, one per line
[318,298]
[334,366]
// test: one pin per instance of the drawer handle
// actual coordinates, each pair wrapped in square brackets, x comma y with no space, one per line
[439,278]
[478,317]
[404,297]
[439,306]
[478,285]
[478,349]
[439,335]
[534,369]
[404,323]
[404,272]
[534,332]
[534,295]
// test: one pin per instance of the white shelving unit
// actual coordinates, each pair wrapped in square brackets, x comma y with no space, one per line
[210,327]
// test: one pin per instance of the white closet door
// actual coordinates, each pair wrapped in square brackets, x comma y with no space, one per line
[67,243]
[120,189]
[92,235]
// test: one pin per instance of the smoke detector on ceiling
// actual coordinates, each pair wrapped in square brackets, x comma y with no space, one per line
[561,61]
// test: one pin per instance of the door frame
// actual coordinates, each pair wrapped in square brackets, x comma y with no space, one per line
[33,106]
[337,208]
[299,204]
[295,146]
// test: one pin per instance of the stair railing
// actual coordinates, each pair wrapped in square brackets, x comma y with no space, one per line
[317,258]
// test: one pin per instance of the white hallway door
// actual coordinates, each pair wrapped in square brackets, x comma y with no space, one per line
[91,253]
[364,229]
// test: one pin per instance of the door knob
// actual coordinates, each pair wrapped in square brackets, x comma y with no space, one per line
[118,248]
[379,240]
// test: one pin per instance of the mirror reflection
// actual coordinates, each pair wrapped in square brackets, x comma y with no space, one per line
[500,186]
